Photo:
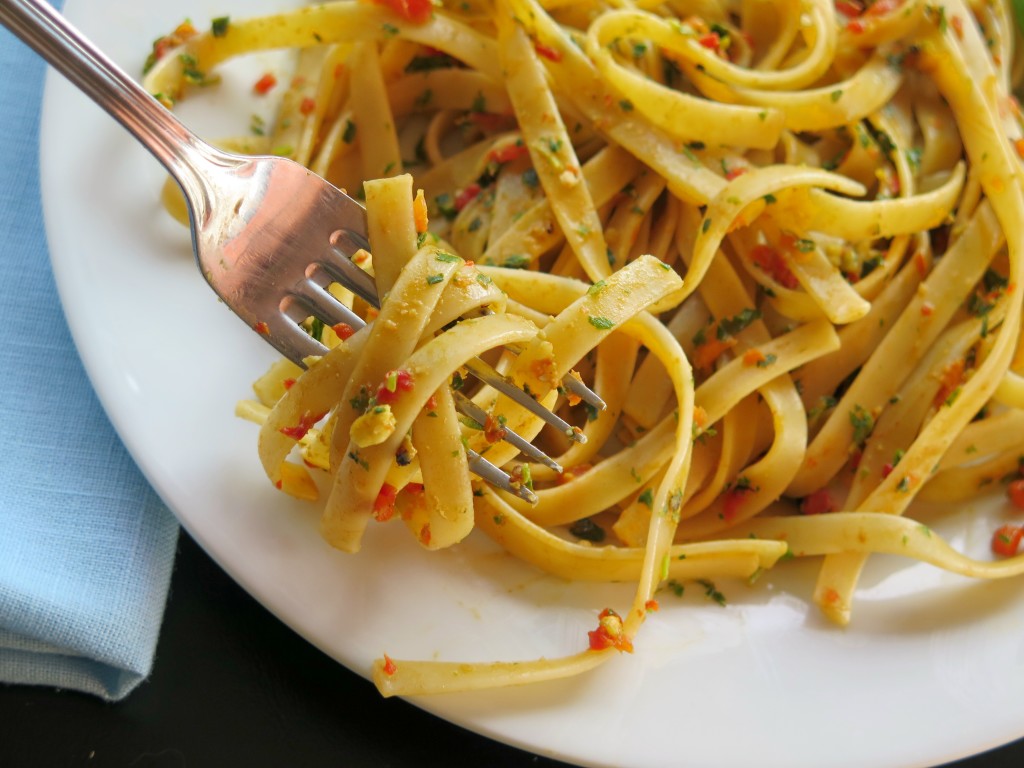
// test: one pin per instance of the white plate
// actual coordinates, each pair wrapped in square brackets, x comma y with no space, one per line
[931,669]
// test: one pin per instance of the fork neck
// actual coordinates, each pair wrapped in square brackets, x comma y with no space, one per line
[50,35]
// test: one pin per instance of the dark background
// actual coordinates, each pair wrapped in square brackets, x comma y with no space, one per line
[232,686]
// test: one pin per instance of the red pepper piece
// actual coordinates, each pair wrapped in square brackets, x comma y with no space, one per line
[1006,540]
[265,84]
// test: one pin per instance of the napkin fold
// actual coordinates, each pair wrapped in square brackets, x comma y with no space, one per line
[86,546]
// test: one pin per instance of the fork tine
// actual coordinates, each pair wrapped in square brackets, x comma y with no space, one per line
[583,392]
[322,304]
[490,474]
[337,263]
[491,377]
[287,337]
[528,449]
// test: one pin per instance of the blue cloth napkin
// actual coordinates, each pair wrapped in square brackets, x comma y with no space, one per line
[86,546]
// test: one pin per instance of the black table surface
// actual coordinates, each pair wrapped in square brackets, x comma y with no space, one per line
[233,686]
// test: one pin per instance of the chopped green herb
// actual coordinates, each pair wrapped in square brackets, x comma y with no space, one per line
[361,401]
[219,26]
[316,329]
[430,63]
[446,206]
[953,396]
[435,279]
[993,281]
[895,60]
[516,261]
[730,326]
[601,323]
[702,435]
[862,422]
[587,530]
[349,134]
[978,306]
[423,100]
[914,159]
[711,592]
[647,498]
[825,403]
[190,71]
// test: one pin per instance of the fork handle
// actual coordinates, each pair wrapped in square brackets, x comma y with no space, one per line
[50,35]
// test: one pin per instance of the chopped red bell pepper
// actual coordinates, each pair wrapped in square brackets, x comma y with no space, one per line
[265,84]
[817,503]
[306,423]
[609,633]
[1006,540]
[547,52]
[768,259]
[384,505]
[416,11]
[463,198]
[343,330]
[394,384]
[1015,490]
[711,41]
[508,153]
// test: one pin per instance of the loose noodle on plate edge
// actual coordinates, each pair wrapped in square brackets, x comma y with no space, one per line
[782,240]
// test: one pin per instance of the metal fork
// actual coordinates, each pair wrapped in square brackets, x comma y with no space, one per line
[268,234]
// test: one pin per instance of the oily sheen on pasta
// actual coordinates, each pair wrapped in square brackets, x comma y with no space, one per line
[782,240]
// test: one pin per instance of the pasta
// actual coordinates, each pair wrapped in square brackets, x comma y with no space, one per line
[782,240]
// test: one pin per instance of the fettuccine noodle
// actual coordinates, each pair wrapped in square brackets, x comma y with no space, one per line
[782,240]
